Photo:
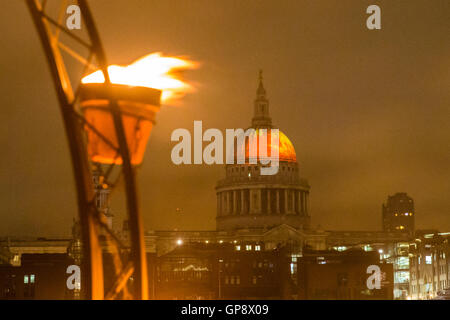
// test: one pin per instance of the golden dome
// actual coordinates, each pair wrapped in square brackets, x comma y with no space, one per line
[286,151]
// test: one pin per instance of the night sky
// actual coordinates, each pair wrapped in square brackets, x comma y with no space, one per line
[367,111]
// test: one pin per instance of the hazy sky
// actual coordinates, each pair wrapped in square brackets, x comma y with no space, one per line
[367,111]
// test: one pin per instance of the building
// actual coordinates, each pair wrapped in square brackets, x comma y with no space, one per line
[398,213]
[247,198]
[40,276]
[325,275]
[392,248]
[222,271]
[12,249]
[430,265]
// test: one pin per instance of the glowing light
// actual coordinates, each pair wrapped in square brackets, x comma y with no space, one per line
[179,242]
[286,151]
[380,251]
[151,71]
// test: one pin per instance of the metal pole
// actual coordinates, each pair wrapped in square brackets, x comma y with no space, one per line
[92,262]
[135,220]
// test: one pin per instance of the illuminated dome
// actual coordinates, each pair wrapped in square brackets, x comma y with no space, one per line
[251,198]
[286,151]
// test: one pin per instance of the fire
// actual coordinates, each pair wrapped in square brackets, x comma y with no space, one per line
[153,71]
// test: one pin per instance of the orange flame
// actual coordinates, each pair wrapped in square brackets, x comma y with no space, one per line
[152,71]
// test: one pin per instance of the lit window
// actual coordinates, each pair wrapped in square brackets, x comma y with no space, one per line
[428,259]
[257,248]
[32,278]
[25,279]
[248,247]
[238,248]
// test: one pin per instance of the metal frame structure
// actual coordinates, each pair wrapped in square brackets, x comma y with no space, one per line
[129,261]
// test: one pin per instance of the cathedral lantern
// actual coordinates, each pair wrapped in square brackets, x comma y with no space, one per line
[138,89]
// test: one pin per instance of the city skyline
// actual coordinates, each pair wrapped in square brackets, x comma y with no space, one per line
[364,111]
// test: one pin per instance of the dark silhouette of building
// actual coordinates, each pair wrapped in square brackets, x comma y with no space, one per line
[398,214]
[40,276]
[333,275]
[221,271]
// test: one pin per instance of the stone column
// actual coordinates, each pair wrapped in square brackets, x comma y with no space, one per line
[292,200]
[219,209]
[286,201]
[277,201]
[269,209]
[242,202]
[224,202]
[302,203]
[306,203]
[235,202]
[250,201]
[260,201]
